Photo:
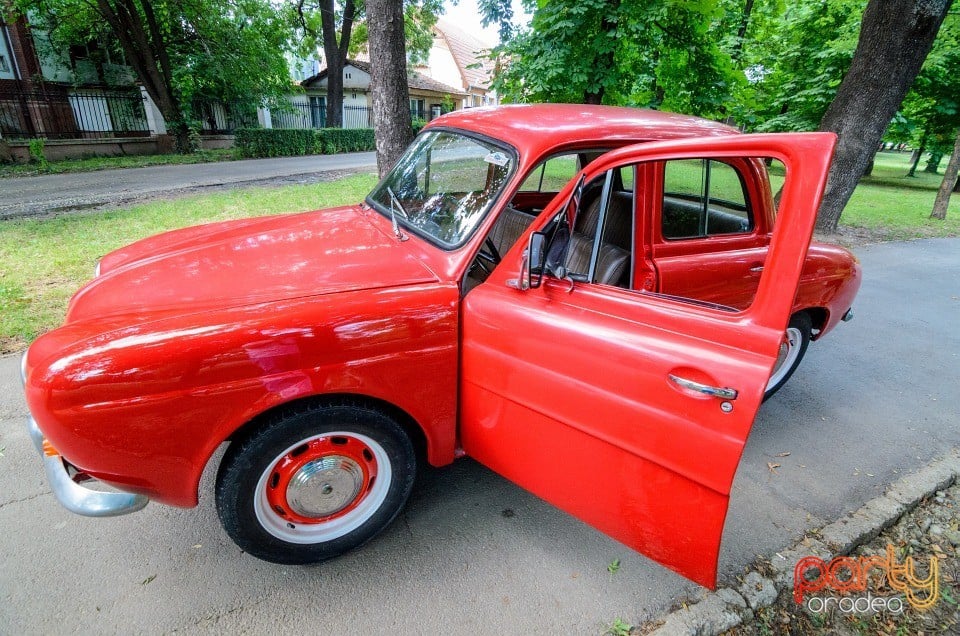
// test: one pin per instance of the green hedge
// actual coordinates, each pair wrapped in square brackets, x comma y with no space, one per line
[336,140]
[276,142]
[290,142]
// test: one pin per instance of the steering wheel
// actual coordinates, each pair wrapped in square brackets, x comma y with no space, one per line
[488,257]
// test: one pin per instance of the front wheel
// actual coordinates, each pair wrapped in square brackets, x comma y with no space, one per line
[313,484]
[794,345]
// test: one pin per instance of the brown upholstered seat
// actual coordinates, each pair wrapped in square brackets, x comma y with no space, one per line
[617,242]
[508,228]
[611,265]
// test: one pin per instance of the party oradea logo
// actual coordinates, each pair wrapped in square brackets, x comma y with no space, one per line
[865,584]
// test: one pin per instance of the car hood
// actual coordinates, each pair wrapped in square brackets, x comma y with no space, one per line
[249,261]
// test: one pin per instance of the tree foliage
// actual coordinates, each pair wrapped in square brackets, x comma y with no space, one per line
[795,56]
[930,113]
[608,51]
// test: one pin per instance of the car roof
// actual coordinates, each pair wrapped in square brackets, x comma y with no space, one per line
[537,128]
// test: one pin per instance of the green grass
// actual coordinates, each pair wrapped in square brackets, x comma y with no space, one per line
[105,163]
[896,206]
[44,261]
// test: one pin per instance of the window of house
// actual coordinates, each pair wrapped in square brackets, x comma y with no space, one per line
[417,109]
[703,198]
[6,58]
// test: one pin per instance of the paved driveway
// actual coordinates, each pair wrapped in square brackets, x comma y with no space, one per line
[24,196]
[473,553]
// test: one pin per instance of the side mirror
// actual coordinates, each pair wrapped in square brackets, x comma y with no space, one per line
[536,255]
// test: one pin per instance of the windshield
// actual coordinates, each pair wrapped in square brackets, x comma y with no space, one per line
[443,185]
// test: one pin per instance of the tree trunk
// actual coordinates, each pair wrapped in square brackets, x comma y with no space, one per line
[334,91]
[915,159]
[933,164]
[895,38]
[949,183]
[742,32]
[336,55]
[393,127]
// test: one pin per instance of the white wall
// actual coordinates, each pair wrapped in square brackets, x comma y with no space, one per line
[442,66]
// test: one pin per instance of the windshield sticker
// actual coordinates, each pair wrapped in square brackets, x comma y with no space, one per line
[497,159]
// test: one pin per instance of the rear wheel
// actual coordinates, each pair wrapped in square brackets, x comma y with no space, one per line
[313,484]
[792,348]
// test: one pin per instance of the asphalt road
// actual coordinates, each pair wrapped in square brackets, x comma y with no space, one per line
[875,399]
[26,196]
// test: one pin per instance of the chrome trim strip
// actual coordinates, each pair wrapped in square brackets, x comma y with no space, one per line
[76,498]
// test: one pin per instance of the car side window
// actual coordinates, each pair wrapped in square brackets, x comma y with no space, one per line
[702,198]
[551,175]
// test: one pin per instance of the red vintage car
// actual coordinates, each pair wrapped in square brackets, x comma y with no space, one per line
[591,301]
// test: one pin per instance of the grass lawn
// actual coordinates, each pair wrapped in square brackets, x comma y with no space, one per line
[896,206]
[106,163]
[44,261]
[890,206]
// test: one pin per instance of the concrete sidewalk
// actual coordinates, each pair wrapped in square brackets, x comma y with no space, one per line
[28,196]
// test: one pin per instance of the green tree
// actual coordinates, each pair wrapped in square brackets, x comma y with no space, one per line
[663,55]
[949,184]
[795,59]
[181,50]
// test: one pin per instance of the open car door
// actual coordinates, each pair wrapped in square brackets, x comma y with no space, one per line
[627,409]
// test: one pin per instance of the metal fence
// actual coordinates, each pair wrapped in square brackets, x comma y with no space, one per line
[314,115]
[299,115]
[55,112]
[218,118]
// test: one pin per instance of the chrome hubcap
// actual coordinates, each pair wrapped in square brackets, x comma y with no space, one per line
[325,486]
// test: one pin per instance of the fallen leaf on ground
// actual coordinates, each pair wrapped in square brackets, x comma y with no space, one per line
[772,467]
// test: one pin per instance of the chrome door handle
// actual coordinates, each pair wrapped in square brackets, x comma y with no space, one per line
[723,393]
[757,269]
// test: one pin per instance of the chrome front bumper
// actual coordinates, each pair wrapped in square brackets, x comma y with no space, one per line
[71,495]
[75,497]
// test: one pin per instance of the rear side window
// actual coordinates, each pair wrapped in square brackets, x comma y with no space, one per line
[552,174]
[703,197]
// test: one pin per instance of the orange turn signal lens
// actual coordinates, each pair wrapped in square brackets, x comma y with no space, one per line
[48,449]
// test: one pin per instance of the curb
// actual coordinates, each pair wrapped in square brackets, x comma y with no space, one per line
[729,607]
